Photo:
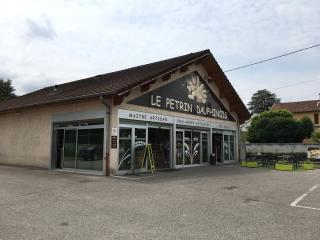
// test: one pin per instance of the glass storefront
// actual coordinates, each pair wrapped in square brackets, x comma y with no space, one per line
[79,145]
[191,147]
[173,146]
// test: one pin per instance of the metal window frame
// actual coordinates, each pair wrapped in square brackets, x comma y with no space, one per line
[76,128]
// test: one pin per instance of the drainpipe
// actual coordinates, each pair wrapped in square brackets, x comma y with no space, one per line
[239,141]
[107,130]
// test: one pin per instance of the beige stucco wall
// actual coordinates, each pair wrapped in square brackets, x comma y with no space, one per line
[26,135]
[310,115]
[136,92]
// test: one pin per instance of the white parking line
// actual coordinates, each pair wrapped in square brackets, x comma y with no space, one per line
[299,199]
[312,208]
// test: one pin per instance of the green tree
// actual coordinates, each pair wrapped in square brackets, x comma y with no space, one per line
[278,127]
[262,101]
[6,90]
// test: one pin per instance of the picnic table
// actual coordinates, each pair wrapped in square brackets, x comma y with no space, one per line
[261,157]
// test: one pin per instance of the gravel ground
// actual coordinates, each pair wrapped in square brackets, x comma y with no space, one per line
[223,202]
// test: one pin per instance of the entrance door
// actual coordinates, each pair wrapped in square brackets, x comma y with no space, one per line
[217,146]
[132,143]
[70,148]
[159,138]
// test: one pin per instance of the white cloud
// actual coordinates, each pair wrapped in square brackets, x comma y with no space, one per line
[42,28]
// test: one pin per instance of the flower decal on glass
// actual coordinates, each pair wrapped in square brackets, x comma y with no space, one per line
[196,90]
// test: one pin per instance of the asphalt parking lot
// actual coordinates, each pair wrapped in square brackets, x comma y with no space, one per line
[224,202]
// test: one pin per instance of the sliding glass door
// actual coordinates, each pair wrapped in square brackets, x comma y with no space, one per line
[70,148]
[132,143]
[79,147]
[90,149]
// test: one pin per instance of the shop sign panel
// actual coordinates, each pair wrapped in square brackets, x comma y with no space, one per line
[191,122]
[189,94]
[114,141]
[149,117]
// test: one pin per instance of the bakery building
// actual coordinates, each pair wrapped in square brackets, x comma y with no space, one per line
[185,108]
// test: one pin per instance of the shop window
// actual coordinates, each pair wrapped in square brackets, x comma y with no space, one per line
[139,147]
[187,148]
[90,149]
[196,147]
[316,118]
[191,147]
[79,148]
[179,148]
[69,148]
[229,147]
[125,148]
[205,147]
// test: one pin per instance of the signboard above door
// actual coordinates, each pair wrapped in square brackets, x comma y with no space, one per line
[188,94]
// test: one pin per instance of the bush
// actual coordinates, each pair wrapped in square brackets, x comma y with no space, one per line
[315,137]
[305,128]
[278,127]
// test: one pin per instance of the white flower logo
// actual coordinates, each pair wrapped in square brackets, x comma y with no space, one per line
[196,90]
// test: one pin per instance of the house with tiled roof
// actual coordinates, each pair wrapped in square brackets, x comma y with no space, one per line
[310,109]
[172,113]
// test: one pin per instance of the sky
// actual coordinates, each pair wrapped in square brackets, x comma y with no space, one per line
[47,42]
